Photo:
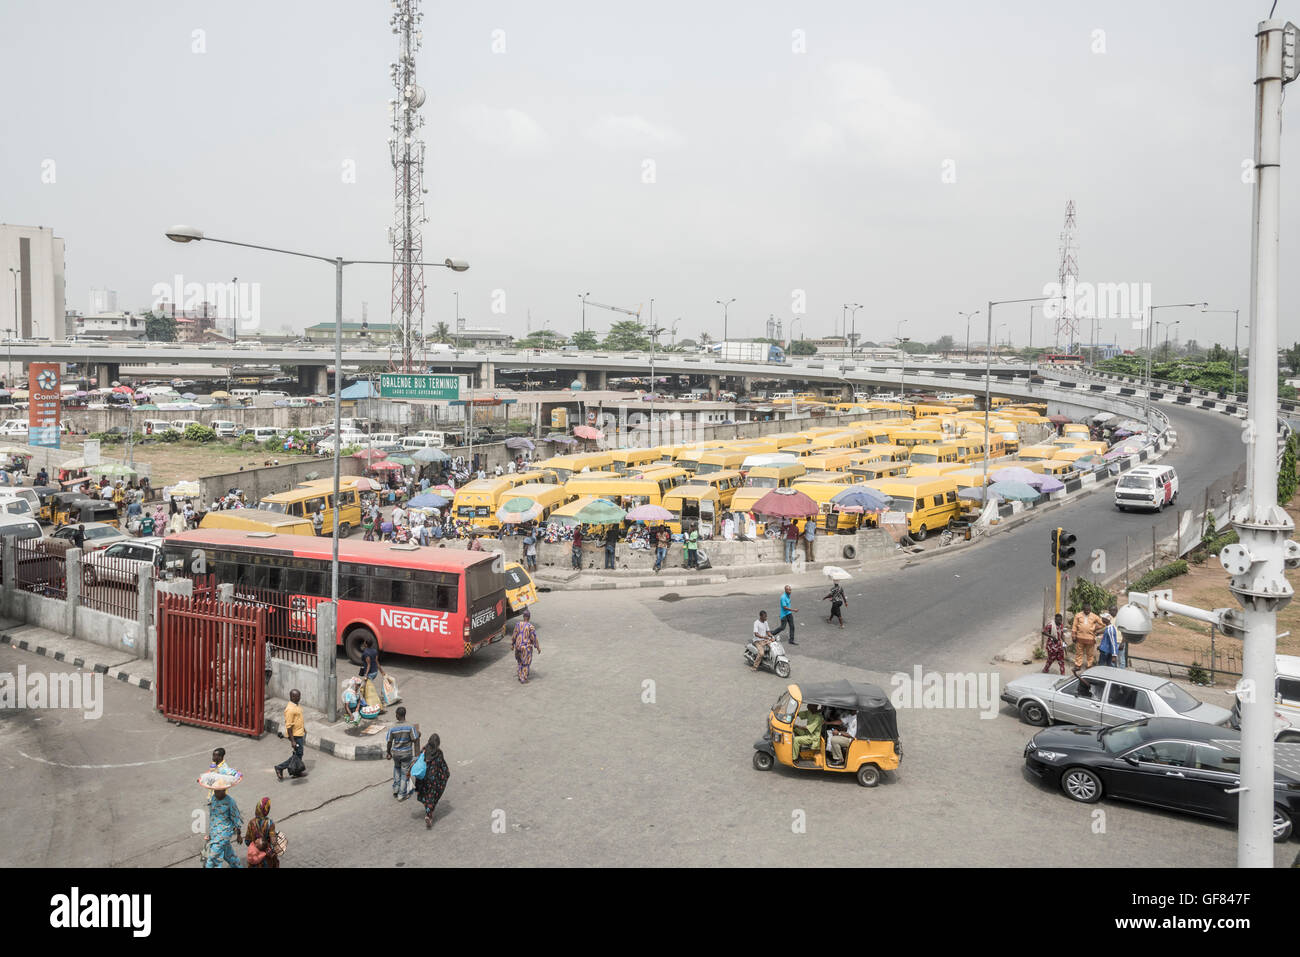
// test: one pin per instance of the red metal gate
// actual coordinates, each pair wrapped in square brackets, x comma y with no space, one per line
[211,659]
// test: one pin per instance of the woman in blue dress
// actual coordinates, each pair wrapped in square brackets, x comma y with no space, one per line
[225,825]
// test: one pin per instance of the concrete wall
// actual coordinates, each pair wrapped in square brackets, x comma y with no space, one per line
[269,479]
[101,420]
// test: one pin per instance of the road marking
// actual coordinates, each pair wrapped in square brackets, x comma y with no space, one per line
[112,767]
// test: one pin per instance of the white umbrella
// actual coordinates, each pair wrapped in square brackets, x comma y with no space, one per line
[835,573]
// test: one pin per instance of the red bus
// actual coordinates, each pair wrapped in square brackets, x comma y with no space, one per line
[1061,359]
[426,602]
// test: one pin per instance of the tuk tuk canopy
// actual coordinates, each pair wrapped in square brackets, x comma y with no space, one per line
[877,719]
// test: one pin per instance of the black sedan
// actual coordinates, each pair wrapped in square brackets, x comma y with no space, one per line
[1164,762]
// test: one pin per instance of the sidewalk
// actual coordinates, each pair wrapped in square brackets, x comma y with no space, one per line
[329,738]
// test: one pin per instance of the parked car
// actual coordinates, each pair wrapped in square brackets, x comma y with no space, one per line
[120,563]
[1105,696]
[19,526]
[1286,701]
[1164,762]
[14,428]
[226,429]
[98,535]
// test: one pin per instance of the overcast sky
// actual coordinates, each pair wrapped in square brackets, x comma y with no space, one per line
[793,150]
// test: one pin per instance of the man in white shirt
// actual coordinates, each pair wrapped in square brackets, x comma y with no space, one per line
[844,728]
[399,515]
[762,638]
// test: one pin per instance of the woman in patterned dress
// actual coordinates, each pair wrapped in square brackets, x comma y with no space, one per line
[524,643]
[262,829]
[436,773]
[225,825]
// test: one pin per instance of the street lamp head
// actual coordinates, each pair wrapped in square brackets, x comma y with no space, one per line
[456,265]
[184,234]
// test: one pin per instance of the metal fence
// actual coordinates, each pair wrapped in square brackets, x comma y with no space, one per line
[39,571]
[111,584]
[290,622]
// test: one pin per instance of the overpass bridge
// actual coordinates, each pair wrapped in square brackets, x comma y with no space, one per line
[592,369]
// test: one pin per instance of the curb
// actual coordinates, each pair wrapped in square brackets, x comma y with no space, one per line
[123,676]
[329,745]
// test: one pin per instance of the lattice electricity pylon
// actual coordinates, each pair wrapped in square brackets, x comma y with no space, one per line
[407,150]
[1067,323]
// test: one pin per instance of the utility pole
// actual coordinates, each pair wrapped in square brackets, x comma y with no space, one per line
[724,304]
[1264,529]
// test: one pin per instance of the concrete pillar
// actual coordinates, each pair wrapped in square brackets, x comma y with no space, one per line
[315,378]
[326,651]
[107,373]
[715,384]
[226,592]
[487,375]
[144,611]
[580,376]
[602,380]
[9,558]
[72,571]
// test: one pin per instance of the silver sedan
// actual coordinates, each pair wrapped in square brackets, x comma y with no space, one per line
[1105,696]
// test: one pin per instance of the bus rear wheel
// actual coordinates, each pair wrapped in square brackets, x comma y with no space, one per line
[354,643]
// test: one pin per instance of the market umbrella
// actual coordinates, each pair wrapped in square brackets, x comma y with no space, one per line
[188,395]
[1014,473]
[11,450]
[1016,491]
[518,510]
[404,460]
[429,455]
[147,407]
[649,513]
[1046,483]
[600,512]
[4,391]
[976,495]
[520,442]
[370,455]
[1059,419]
[124,389]
[836,574]
[221,394]
[785,503]
[19,394]
[1103,417]
[111,468]
[181,490]
[447,489]
[431,500]
[587,432]
[867,499]
[561,439]
[1089,462]
[1122,433]
[383,466]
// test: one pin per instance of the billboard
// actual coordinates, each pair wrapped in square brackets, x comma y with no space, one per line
[44,400]
[404,385]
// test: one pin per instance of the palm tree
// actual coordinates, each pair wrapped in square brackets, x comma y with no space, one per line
[441,333]
[705,339]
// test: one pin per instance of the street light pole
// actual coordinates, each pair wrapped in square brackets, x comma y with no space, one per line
[583,297]
[1150,343]
[902,357]
[968,316]
[725,304]
[853,319]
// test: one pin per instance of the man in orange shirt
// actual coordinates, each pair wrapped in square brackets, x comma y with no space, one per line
[1085,628]
[296,731]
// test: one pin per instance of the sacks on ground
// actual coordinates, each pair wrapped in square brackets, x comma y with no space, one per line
[388,693]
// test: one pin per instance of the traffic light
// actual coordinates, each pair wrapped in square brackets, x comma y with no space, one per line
[1062,549]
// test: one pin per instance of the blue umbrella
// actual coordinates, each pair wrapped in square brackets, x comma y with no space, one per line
[976,495]
[1016,491]
[867,499]
[429,500]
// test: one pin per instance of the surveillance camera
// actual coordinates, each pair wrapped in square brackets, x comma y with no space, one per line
[1134,623]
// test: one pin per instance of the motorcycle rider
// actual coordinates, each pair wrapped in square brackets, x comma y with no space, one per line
[762,638]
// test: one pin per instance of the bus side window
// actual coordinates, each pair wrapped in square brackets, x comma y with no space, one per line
[951,497]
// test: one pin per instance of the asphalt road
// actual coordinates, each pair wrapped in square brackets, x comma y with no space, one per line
[959,610]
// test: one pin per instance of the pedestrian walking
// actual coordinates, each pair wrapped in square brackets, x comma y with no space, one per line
[372,673]
[432,780]
[530,551]
[1054,641]
[1108,647]
[296,731]
[524,642]
[809,538]
[787,615]
[838,600]
[225,827]
[1121,646]
[791,540]
[318,520]
[611,544]
[402,743]
[262,839]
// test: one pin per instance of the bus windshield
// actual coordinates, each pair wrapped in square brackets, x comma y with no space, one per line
[762,481]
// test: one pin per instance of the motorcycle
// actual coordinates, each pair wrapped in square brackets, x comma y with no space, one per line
[774,658]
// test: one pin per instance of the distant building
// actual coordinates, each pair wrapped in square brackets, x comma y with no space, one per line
[383,333]
[32,302]
[102,302]
[112,325]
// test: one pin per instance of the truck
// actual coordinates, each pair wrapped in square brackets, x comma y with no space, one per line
[748,352]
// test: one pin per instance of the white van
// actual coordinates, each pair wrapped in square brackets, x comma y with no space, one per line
[15,506]
[243,393]
[273,394]
[159,426]
[226,429]
[414,442]
[8,492]
[1150,487]
[265,433]
[14,428]
[19,526]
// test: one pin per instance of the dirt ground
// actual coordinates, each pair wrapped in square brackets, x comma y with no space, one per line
[184,461]
[1188,642]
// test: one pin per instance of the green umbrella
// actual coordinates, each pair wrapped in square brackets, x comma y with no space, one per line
[147,407]
[600,512]
[111,469]
[518,510]
[401,460]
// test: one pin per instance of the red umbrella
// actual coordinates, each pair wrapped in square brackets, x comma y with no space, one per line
[383,466]
[786,503]
[125,389]
[370,455]
[1059,419]
[587,432]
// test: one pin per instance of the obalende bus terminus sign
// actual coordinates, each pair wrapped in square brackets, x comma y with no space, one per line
[404,385]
